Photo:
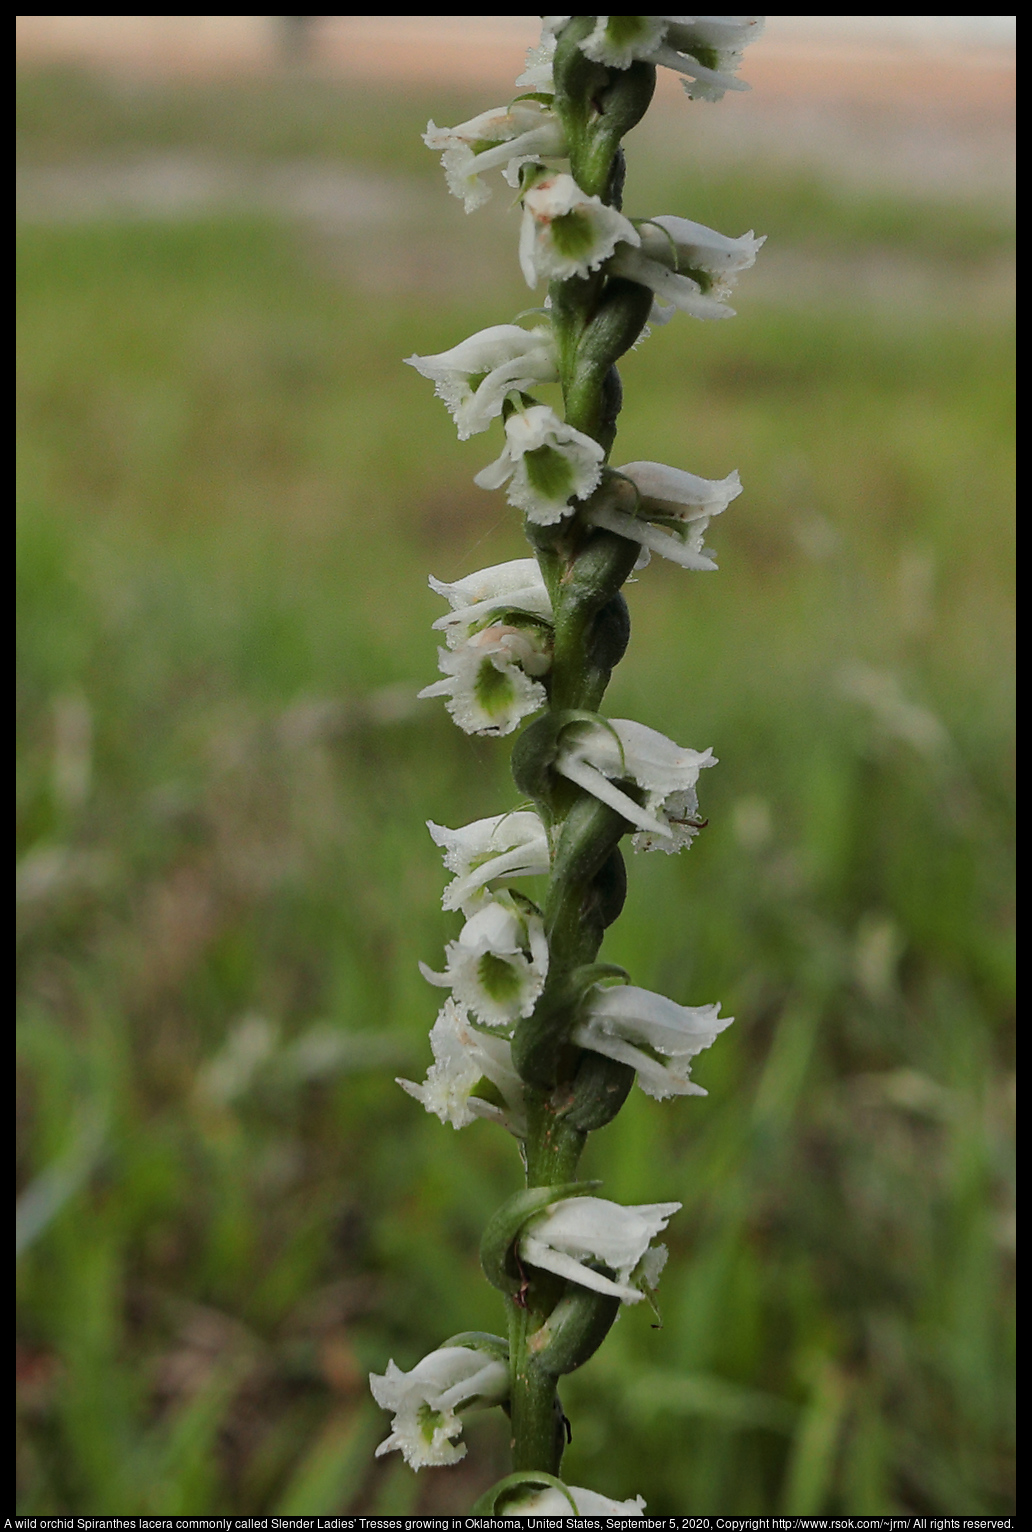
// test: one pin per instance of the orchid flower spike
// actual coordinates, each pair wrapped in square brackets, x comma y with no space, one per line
[598,755]
[576,1230]
[506,136]
[566,233]
[506,846]
[499,963]
[571,1499]
[474,377]
[546,463]
[688,266]
[426,1402]
[472,1075]
[487,682]
[504,588]
[707,50]
[652,1034]
[672,514]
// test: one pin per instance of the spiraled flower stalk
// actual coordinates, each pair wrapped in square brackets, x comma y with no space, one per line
[538,1035]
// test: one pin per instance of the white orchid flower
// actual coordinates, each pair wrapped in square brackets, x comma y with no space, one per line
[487,678]
[579,1229]
[549,1501]
[688,266]
[707,50]
[597,755]
[474,377]
[464,1059]
[425,1402]
[499,963]
[618,41]
[514,587]
[502,137]
[657,1037]
[537,70]
[566,233]
[546,464]
[505,846]
[673,512]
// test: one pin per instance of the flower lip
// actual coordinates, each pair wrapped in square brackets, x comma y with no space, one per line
[546,464]
[499,963]
[597,755]
[655,1036]
[699,250]
[425,1402]
[681,502]
[487,682]
[575,1230]
[464,1058]
[566,233]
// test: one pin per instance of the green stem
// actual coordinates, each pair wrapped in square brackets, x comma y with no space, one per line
[537,1438]
[594,321]
[553,1147]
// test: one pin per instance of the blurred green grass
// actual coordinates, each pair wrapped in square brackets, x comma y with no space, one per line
[230,495]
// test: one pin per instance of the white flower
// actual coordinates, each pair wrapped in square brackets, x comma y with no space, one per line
[619,40]
[657,1037]
[513,587]
[474,377]
[486,680]
[566,233]
[549,1501]
[464,1059]
[425,1402]
[504,136]
[547,464]
[713,259]
[537,72]
[498,965]
[680,504]
[597,755]
[579,1229]
[507,846]
[688,266]
[708,51]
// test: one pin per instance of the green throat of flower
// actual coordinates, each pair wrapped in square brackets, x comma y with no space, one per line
[623,31]
[493,689]
[549,474]
[498,978]
[429,1421]
[572,235]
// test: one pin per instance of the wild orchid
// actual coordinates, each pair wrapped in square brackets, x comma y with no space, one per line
[538,1035]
